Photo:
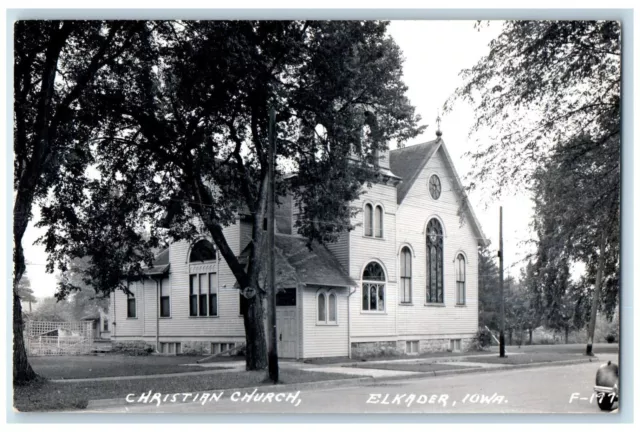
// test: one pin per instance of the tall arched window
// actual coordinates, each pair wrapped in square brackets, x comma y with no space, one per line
[379,221]
[373,286]
[322,307]
[434,262]
[203,288]
[461,279]
[368,220]
[405,275]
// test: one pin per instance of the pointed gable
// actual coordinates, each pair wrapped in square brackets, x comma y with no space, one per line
[408,162]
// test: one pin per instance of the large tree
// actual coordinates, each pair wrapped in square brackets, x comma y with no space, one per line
[548,97]
[184,145]
[55,63]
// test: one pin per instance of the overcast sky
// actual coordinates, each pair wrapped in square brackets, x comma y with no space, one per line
[435,52]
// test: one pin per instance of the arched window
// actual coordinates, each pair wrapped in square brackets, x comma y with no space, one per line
[373,285]
[203,287]
[405,275]
[461,279]
[434,262]
[322,308]
[327,307]
[333,308]
[202,251]
[379,221]
[368,220]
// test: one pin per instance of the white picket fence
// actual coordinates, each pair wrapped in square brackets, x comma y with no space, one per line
[48,338]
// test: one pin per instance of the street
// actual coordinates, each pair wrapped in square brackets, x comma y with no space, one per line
[553,389]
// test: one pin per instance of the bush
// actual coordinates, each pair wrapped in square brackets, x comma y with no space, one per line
[611,338]
[482,340]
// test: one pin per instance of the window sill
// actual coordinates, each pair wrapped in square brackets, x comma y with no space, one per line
[462,305]
[209,316]
[165,317]
[363,312]
[132,318]
[373,238]
[323,324]
[434,304]
[405,304]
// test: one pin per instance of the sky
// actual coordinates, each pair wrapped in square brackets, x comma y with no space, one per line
[435,52]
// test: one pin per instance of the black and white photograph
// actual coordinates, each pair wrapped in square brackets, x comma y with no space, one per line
[316,216]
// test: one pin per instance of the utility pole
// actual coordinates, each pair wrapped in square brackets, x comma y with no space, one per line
[271,229]
[501,255]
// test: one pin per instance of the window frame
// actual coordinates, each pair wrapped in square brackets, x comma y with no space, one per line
[436,245]
[461,279]
[162,298]
[437,177]
[202,307]
[323,296]
[367,286]
[132,297]
[404,252]
[369,214]
[378,222]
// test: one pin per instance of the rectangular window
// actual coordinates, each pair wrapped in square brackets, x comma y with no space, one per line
[373,296]
[203,298]
[131,302]
[213,295]
[204,288]
[405,275]
[165,303]
[193,295]
[105,325]
[412,347]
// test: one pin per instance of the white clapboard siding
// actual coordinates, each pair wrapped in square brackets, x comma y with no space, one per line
[365,249]
[228,323]
[412,216]
[321,340]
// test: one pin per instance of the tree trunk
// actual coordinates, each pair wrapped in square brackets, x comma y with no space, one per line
[566,335]
[596,294]
[510,336]
[530,336]
[22,371]
[254,322]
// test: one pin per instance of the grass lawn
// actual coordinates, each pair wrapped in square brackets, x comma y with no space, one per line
[110,365]
[525,358]
[411,367]
[49,396]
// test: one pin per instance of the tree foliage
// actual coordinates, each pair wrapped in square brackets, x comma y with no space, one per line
[548,96]
[182,143]
[55,64]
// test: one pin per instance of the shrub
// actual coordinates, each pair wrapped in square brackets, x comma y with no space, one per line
[611,338]
[482,340]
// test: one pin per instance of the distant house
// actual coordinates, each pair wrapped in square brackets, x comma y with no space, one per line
[404,281]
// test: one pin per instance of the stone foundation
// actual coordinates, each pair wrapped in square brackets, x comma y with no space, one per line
[374,349]
[386,348]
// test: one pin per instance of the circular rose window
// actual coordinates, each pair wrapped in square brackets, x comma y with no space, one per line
[434,187]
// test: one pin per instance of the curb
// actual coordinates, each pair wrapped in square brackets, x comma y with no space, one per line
[336,383]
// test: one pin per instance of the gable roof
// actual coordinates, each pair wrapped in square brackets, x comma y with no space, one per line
[160,264]
[409,161]
[296,263]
